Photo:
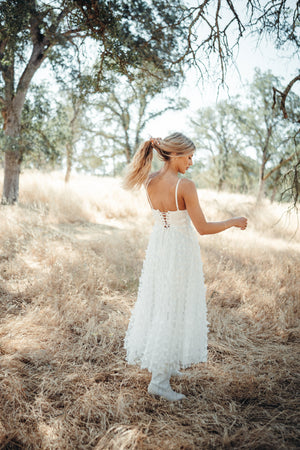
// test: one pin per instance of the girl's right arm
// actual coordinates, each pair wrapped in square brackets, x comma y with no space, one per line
[190,197]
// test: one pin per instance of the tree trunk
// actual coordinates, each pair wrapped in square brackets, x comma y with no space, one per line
[274,192]
[261,190]
[220,184]
[12,167]
[69,161]
[261,182]
[265,158]
[13,157]
[71,142]
[14,102]
[127,153]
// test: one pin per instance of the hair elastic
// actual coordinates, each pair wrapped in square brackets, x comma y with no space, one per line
[155,141]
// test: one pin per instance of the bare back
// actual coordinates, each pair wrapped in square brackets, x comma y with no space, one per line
[162,194]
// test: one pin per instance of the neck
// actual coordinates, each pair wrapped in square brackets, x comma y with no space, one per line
[169,168]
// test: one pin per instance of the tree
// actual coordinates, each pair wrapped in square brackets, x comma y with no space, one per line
[215,28]
[126,108]
[291,178]
[42,136]
[222,24]
[231,131]
[128,34]
[216,133]
[75,107]
[263,127]
[34,31]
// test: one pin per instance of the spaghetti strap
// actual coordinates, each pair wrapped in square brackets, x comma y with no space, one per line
[176,189]
[148,197]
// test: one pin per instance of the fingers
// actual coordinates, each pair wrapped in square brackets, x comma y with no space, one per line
[244,223]
[241,222]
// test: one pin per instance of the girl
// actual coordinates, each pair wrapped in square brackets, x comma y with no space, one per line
[168,328]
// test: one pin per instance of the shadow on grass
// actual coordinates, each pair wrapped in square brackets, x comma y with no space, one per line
[64,376]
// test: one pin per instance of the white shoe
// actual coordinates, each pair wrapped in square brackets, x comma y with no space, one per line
[160,385]
[168,394]
[176,373]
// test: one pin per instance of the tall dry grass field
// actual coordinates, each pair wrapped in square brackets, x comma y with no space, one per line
[69,264]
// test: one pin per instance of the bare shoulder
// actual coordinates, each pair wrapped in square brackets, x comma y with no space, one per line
[187,186]
[153,175]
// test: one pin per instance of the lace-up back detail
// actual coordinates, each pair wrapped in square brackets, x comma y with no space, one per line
[172,218]
[165,218]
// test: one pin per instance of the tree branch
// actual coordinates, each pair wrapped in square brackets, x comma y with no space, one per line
[46,139]
[53,27]
[76,32]
[220,51]
[282,163]
[112,137]
[111,108]
[294,185]
[236,17]
[284,95]
[189,45]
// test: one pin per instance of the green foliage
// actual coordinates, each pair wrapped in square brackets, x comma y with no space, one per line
[127,34]
[222,147]
[248,144]
[43,133]
[146,42]
[14,25]
[275,140]
[124,109]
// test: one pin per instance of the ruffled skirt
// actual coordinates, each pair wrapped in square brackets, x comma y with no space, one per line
[168,325]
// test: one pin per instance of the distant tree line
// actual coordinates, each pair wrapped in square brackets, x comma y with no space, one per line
[246,144]
[111,58]
[243,144]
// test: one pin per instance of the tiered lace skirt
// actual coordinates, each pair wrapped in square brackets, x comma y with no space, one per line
[168,325]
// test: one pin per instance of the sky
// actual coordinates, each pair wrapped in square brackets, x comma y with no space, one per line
[264,56]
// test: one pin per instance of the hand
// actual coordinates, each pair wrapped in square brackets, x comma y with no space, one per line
[240,222]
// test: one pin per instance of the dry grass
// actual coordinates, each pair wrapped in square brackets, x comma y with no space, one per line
[70,261]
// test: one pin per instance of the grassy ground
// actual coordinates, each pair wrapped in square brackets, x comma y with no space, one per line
[70,260]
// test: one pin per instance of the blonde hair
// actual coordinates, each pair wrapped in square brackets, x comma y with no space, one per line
[140,166]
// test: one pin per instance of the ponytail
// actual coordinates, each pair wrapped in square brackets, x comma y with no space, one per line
[139,167]
[173,146]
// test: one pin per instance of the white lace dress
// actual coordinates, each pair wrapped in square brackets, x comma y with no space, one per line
[168,326]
